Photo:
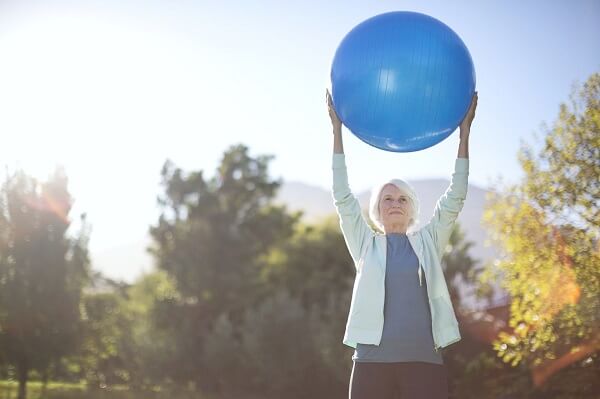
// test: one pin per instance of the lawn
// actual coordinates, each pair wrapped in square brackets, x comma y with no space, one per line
[55,390]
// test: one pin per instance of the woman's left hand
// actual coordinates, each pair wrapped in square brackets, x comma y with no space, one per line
[465,125]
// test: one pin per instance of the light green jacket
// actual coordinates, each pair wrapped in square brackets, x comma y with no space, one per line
[368,250]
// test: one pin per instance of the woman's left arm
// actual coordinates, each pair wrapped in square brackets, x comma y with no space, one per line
[465,129]
[450,204]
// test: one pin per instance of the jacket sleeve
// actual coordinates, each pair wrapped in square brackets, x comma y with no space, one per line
[449,206]
[354,227]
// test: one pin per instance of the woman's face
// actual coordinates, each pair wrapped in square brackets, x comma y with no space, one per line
[394,206]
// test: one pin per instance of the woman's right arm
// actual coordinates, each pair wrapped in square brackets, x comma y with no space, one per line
[354,227]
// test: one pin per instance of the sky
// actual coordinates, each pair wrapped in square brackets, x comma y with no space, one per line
[111,89]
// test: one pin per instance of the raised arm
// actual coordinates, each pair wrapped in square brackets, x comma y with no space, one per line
[465,129]
[355,229]
[449,206]
[336,124]
[451,203]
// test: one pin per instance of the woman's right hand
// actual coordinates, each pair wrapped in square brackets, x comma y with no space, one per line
[335,120]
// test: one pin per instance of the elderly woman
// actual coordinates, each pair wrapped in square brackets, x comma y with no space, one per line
[400,314]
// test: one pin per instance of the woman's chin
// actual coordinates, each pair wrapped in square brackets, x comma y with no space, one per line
[397,219]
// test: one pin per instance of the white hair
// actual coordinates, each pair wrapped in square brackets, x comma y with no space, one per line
[406,189]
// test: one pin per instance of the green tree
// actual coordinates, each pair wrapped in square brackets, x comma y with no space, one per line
[312,265]
[121,342]
[149,343]
[315,269]
[458,264]
[42,272]
[209,239]
[293,334]
[474,370]
[107,354]
[106,327]
[548,227]
[278,342]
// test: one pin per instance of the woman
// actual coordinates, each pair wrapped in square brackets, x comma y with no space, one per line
[397,324]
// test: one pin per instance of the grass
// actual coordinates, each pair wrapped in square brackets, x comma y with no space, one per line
[56,390]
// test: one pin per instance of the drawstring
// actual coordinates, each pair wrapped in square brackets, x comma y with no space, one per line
[419,271]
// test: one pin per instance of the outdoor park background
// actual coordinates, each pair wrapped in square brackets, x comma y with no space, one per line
[140,101]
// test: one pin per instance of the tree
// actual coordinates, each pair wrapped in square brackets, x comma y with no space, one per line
[458,264]
[104,359]
[108,353]
[209,239]
[548,227]
[312,265]
[315,268]
[149,345]
[42,272]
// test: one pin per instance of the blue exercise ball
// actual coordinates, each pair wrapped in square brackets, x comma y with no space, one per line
[402,81]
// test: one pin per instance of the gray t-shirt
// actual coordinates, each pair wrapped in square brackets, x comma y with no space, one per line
[407,333]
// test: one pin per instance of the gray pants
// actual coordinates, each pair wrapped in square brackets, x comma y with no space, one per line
[406,380]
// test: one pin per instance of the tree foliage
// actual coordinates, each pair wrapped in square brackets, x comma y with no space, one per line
[42,273]
[209,239]
[548,228]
